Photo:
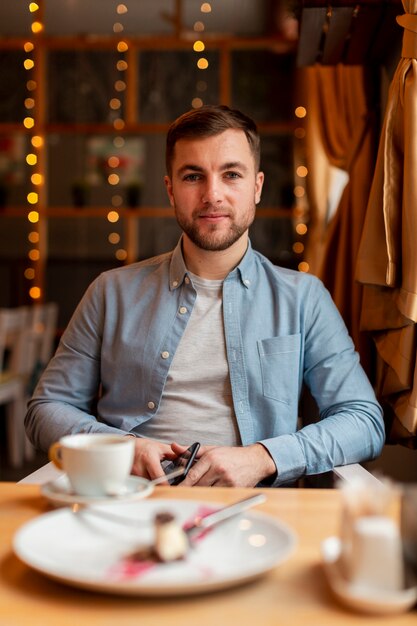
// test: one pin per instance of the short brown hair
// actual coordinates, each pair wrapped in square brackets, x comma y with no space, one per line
[207,121]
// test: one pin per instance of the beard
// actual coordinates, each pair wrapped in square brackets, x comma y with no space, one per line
[214,238]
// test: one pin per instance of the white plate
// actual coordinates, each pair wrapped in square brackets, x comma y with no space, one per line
[85,551]
[376,602]
[59,491]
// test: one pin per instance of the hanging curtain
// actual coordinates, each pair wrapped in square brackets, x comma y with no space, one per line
[387,259]
[340,139]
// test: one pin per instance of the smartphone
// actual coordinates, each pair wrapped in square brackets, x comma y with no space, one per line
[184,460]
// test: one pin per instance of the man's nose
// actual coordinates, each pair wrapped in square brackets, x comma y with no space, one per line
[211,191]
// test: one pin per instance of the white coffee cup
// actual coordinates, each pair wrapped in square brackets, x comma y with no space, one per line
[96,464]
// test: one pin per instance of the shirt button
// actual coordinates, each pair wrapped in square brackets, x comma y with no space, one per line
[247,282]
[183,310]
[165,354]
[175,283]
[151,405]
[187,280]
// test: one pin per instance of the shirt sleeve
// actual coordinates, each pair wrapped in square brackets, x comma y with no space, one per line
[64,399]
[350,427]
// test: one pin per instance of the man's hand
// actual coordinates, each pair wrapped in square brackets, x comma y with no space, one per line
[228,466]
[148,457]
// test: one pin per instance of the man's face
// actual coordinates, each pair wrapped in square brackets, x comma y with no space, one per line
[214,188]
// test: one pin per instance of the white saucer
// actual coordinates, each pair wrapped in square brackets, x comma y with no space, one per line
[376,602]
[59,491]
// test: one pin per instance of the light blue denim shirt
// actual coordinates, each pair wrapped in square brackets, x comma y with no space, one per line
[281,328]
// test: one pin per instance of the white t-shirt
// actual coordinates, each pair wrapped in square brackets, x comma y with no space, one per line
[197,400]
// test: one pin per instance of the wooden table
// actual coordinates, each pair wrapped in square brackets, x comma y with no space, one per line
[294,594]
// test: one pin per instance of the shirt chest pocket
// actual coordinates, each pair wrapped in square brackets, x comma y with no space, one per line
[280,362]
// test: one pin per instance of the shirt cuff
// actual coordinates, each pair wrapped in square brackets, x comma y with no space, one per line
[288,457]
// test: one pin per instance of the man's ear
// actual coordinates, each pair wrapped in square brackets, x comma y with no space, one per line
[260,177]
[168,185]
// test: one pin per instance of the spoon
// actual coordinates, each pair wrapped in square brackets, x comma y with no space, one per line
[199,523]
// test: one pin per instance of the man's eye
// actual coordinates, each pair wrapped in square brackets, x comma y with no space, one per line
[232,175]
[192,177]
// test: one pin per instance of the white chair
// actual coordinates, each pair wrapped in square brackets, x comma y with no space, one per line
[26,345]
[43,320]
[13,378]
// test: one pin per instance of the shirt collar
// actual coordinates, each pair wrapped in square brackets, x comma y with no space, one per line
[245,270]
[177,270]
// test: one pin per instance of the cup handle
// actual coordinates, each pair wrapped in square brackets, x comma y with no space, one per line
[54,454]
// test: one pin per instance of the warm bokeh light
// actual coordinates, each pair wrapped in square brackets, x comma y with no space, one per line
[301,229]
[117,200]
[115,104]
[300,133]
[32,197]
[299,191]
[35,293]
[122,46]
[37,27]
[37,141]
[121,9]
[298,247]
[31,159]
[198,46]
[113,161]
[29,273]
[302,171]
[31,85]
[298,211]
[28,122]
[199,27]
[121,254]
[33,217]
[33,7]
[28,47]
[120,85]
[118,142]
[197,103]
[114,238]
[202,64]
[303,266]
[118,27]
[34,254]
[36,179]
[28,64]
[113,216]
[205,7]
[33,236]
[113,179]
[119,124]
[121,65]
[300,112]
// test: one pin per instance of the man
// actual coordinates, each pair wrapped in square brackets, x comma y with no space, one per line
[211,342]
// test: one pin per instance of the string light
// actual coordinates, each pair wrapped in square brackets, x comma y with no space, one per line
[33,155]
[116,112]
[301,172]
[113,216]
[300,112]
[202,63]
[301,228]
[303,266]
